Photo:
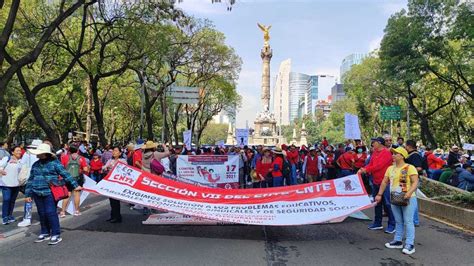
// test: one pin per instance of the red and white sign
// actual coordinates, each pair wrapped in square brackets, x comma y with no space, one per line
[220,171]
[293,205]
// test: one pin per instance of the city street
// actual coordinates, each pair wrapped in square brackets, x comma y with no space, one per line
[89,240]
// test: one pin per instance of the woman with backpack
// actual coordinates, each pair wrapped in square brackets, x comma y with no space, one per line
[151,161]
[76,166]
[10,167]
[115,216]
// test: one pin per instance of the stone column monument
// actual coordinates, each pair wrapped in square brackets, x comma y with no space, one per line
[265,132]
[266,55]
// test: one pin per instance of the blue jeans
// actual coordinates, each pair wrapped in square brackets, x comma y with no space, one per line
[404,221]
[435,173]
[47,211]
[96,176]
[385,204]
[416,218]
[278,181]
[9,195]
[293,175]
[28,210]
[345,172]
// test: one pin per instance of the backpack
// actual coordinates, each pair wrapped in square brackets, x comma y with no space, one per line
[73,167]
[453,179]
[286,171]
[156,167]
[424,163]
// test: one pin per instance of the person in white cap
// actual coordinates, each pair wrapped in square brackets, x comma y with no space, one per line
[27,161]
[44,172]
[454,157]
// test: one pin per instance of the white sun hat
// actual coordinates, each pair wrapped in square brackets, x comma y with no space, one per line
[35,143]
[41,149]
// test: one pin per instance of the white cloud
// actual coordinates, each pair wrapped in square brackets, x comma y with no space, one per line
[375,44]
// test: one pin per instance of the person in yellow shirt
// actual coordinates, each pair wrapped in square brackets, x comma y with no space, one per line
[403,179]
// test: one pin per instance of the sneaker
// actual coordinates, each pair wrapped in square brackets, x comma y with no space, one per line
[375,227]
[55,240]
[24,223]
[390,230]
[77,213]
[62,214]
[5,221]
[408,249]
[42,237]
[394,244]
[11,219]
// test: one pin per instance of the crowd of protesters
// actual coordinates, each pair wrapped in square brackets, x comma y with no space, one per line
[382,163]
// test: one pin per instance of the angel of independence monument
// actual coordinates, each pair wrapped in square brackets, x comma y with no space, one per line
[265,130]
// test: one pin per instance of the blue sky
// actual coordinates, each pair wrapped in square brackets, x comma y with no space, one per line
[315,34]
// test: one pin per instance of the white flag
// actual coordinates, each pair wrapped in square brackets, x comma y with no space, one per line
[351,126]
[187,139]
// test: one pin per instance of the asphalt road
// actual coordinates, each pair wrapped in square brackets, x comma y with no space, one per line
[89,240]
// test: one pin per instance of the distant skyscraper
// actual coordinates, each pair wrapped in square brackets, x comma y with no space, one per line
[348,62]
[337,92]
[319,88]
[281,94]
[298,89]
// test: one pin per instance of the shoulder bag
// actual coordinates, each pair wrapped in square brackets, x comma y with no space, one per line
[398,197]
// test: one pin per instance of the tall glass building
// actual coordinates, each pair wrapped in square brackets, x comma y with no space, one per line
[348,62]
[298,89]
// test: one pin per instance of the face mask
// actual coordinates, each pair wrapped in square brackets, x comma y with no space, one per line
[359,150]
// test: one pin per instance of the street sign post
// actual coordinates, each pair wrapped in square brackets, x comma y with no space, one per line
[185,95]
[393,112]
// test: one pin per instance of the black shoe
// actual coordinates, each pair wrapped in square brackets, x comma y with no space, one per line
[115,221]
[108,220]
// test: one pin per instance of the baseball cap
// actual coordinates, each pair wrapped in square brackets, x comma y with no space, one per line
[401,151]
[379,139]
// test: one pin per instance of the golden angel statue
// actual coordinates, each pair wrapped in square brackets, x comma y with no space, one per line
[266,32]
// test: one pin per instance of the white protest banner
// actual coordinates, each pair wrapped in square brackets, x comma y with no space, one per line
[311,203]
[84,194]
[218,170]
[187,139]
[468,147]
[351,126]
[242,136]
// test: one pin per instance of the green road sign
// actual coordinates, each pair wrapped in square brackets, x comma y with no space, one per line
[393,112]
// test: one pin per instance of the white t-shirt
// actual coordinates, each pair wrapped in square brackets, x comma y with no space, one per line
[13,168]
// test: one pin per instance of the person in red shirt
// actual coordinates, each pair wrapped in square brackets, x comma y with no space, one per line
[263,169]
[310,166]
[277,167]
[346,163]
[330,165]
[325,142]
[360,158]
[292,156]
[69,161]
[96,167]
[380,160]
[435,163]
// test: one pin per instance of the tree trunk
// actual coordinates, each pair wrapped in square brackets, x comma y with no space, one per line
[99,116]
[426,135]
[39,118]
[89,107]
